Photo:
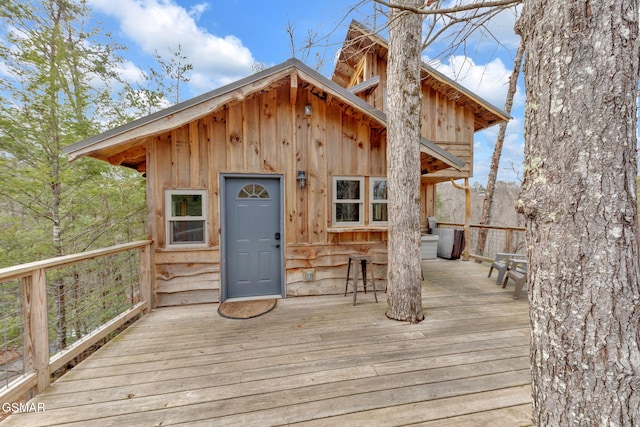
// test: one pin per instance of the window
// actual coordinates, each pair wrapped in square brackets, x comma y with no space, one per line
[348,200]
[378,201]
[186,217]
[253,191]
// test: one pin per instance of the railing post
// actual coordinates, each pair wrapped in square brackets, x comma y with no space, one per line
[36,327]
[507,241]
[145,277]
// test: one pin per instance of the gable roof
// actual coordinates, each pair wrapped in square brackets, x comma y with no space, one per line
[177,115]
[130,138]
[360,40]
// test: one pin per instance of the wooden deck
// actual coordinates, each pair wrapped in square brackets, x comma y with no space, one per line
[312,361]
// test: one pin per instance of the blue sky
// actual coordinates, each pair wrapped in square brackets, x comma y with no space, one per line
[223,40]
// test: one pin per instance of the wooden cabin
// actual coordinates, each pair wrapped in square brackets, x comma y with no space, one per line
[262,188]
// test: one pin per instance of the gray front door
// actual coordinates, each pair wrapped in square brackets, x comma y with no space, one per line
[253,237]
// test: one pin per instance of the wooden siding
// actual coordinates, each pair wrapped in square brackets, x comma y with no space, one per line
[264,134]
[444,122]
[451,127]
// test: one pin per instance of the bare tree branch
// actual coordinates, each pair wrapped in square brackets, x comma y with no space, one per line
[456,9]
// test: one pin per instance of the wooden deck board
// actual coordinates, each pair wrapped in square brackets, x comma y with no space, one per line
[313,361]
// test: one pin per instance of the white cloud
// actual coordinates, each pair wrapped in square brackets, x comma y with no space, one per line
[129,72]
[511,159]
[490,81]
[197,10]
[163,25]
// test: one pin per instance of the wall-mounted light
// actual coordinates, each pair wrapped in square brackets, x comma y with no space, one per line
[302,179]
[308,110]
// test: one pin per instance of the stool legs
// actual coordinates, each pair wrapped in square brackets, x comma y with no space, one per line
[359,263]
[364,279]
[346,284]
[355,281]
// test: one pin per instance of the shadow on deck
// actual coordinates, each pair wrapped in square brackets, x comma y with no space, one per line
[314,361]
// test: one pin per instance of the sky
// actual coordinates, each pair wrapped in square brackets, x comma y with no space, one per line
[224,40]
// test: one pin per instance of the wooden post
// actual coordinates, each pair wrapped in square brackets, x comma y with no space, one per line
[507,241]
[466,254]
[36,327]
[146,292]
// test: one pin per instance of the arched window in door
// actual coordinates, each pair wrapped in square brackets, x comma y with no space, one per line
[253,191]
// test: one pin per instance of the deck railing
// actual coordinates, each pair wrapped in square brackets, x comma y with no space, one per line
[498,239]
[56,309]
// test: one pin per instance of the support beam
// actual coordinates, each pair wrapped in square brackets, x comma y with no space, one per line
[36,327]
[466,254]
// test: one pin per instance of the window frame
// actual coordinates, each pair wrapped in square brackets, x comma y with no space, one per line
[335,200]
[170,218]
[373,201]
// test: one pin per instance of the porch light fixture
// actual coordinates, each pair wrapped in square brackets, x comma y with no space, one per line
[307,110]
[302,179]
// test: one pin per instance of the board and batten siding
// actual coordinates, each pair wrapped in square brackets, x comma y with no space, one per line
[452,128]
[445,123]
[266,134]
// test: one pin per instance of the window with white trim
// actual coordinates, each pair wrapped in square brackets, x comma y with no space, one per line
[348,200]
[378,201]
[186,212]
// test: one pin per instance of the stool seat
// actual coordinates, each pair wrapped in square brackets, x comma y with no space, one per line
[359,261]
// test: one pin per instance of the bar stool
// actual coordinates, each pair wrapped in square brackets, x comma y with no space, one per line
[362,261]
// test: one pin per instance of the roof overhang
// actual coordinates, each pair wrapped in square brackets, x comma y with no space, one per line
[111,145]
[433,158]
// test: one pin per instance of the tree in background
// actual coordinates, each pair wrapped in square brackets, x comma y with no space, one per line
[579,203]
[176,69]
[50,98]
[497,153]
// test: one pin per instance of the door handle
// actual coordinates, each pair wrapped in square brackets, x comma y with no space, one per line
[277,245]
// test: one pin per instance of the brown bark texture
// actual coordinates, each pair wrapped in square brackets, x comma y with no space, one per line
[404,291]
[579,202]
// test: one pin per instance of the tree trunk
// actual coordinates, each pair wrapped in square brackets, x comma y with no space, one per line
[497,153]
[579,202]
[403,164]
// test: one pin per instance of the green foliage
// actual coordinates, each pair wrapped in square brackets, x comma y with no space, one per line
[56,91]
[478,188]
[56,86]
